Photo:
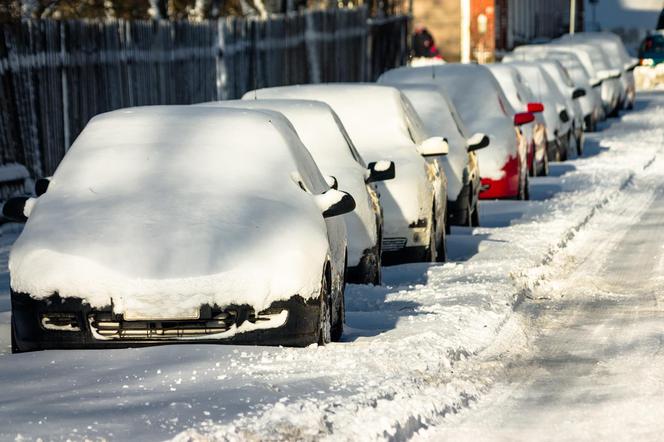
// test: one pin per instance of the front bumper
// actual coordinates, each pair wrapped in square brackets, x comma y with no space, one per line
[36,325]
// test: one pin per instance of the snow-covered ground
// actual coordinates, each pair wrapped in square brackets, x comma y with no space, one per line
[414,351]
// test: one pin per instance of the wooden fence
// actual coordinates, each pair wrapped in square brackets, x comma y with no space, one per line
[56,75]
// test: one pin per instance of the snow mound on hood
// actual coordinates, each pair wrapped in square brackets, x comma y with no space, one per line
[165,208]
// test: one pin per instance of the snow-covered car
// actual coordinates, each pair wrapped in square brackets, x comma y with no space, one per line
[383,126]
[461,165]
[556,117]
[591,103]
[617,57]
[326,139]
[180,224]
[522,99]
[595,61]
[572,95]
[483,108]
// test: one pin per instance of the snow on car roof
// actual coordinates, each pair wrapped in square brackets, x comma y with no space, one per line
[171,207]
[471,88]
[372,114]
[315,122]
[513,85]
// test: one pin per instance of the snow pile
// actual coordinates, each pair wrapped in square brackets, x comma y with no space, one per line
[149,212]
[479,101]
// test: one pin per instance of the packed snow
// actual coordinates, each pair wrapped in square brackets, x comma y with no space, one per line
[410,350]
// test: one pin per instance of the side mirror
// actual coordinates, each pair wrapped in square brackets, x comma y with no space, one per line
[477,141]
[523,118]
[41,186]
[564,116]
[381,171]
[18,208]
[332,182]
[433,146]
[334,203]
[535,108]
[578,93]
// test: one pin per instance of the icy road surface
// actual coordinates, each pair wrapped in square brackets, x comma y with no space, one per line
[547,324]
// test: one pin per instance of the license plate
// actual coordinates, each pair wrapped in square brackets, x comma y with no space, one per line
[137,315]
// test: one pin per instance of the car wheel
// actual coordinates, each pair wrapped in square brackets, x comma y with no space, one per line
[526,188]
[378,273]
[338,327]
[475,217]
[579,145]
[325,320]
[431,252]
[15,348]
[545,166]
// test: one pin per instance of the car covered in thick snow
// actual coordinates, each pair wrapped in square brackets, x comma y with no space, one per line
[383,126]
[483,107]
[591,102]
[617,57]
[461,164]
[522,98]
[170,224]
[326,139]
[557,118]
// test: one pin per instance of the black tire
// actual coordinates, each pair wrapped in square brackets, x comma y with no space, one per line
[475,217]
[441,248]
[524,194]
[325,318]
[545,165]
[378,271]
[15,348]
[338,327]
[430,253]
[579,146]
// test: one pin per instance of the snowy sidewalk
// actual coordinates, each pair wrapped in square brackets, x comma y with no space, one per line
[408,351]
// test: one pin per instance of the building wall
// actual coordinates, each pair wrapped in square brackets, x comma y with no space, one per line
[509,23]
[441,17]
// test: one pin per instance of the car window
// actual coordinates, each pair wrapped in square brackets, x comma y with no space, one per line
[351,147]
[415,126]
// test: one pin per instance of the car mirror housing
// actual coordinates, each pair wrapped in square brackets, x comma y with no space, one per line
[535,108]
[381,171]
[18,208]
[332,182]
[578,93]
[564,116]
[433,146]
[477,141]
[41,186]
[523,118]
[334,203]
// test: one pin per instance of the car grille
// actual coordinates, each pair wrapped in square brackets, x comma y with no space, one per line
[106,326]
[392,244]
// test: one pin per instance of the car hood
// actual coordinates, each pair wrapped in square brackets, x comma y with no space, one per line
[164,252]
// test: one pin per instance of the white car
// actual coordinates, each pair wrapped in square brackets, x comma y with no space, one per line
[591,103]
[383,126]
[483,107]
[522,99]
[556,117]
[461,164]
[595,61]
[572,94]
[326,139]
[617,57]
[171,224]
